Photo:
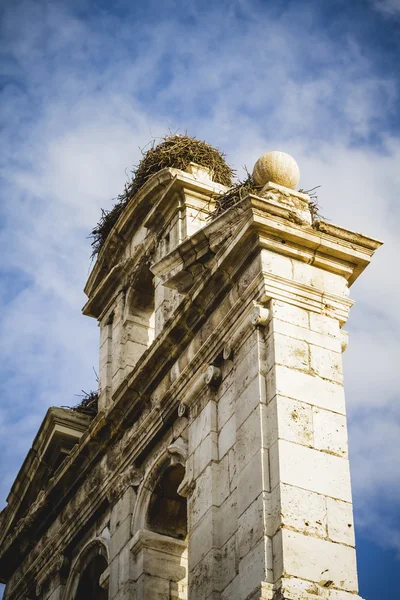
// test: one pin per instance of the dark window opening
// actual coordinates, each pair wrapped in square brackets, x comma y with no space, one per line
[89,582]
[167,512]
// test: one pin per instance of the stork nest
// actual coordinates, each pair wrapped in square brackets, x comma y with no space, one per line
[235,194]
[175,151]
[88,405]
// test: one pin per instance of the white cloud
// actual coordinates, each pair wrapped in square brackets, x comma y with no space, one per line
[93,92]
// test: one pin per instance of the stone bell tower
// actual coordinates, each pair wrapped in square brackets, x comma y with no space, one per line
[217,466]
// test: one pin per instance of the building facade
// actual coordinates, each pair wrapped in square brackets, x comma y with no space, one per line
[217,465]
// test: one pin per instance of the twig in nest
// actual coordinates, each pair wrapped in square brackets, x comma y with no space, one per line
[235,194]
[313,204]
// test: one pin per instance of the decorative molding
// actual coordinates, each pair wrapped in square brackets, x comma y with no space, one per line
[131,477]
[260,316]
[181,409]
[179,451]
[213,376]
[227,352]
[306,297]
[145,538]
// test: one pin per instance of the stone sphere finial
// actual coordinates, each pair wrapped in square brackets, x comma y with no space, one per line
[276,167]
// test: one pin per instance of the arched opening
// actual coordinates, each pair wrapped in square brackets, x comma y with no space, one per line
[167,512]
[89,586]
[159,546]
[139,317]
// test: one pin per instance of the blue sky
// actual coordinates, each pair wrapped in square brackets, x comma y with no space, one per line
[85,84]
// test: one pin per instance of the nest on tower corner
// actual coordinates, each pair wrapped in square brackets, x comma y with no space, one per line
[89,405]
[175,151]
[243,188]
[235,194]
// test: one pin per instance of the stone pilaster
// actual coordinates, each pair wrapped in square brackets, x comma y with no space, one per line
[310,498]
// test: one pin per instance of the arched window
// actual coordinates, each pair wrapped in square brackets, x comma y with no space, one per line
[86,571]
[167,512]
[89,586]
[159,544]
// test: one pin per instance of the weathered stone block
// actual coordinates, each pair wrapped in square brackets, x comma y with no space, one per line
[330,432]
[319,279]
[331,342]
[310,469]
[232,590]
[120,537]
[287,351]
[202,425]
[227,522]
[315,559]
[251,396]
[299,509]
[251,524]
[253,480]
[226,406]
[289,313]
[276,263]
[205,453]
[122,509]
[227,437]
[290,420]
[202,537]
[202,497]
[251,436]
[324,325]
[227,564]
[255,567]
[306,388]
[340,521]
[113,585]
[326,363]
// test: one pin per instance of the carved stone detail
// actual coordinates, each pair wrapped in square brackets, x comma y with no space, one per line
[227,352]
[260,316]
[179,451]
[131,477]
[213,376]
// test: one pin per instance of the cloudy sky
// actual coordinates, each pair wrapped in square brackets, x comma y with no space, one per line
[86,83]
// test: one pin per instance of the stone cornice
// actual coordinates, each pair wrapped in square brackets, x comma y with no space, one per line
[58,423]
[331,248]
[306,296]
